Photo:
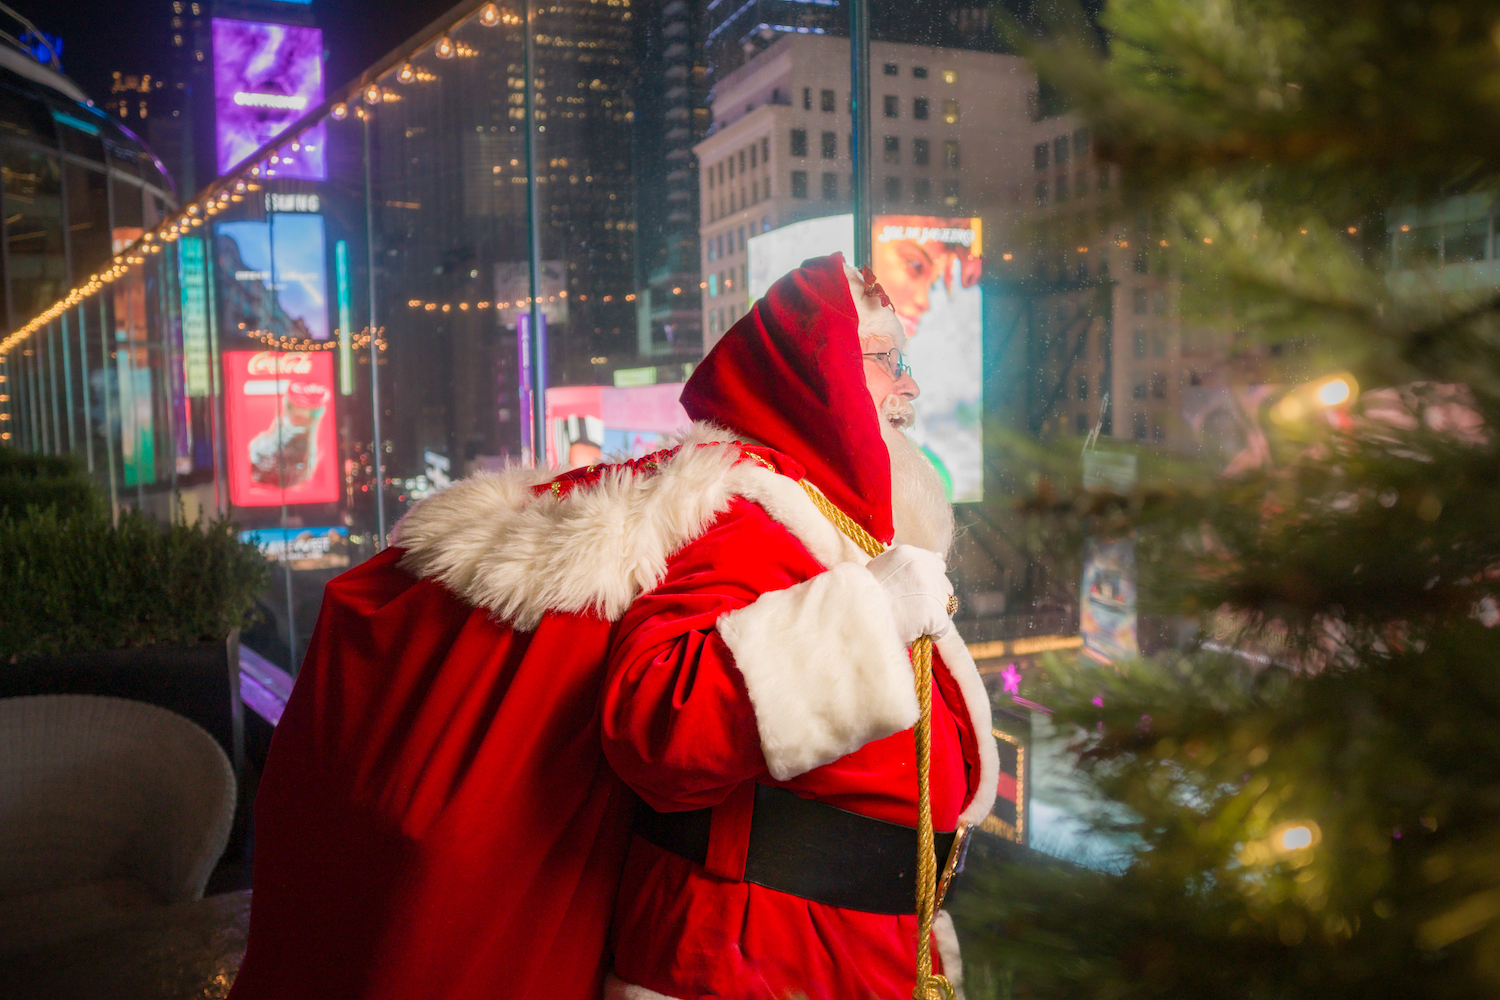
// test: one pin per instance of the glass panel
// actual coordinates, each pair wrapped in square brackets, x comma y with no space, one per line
[88,220]
[37,267]
[127,212]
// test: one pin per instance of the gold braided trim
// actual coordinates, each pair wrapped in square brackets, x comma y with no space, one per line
[930,985]
[850,527]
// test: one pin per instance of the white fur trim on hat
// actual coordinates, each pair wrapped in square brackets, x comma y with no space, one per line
[875,320]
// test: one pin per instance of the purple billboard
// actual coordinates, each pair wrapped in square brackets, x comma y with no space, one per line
[266,76]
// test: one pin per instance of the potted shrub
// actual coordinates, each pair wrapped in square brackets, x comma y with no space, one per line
[134,609]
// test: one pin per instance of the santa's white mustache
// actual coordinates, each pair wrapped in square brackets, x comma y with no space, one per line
[897,411]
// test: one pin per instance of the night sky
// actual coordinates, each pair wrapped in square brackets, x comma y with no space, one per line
[132,35]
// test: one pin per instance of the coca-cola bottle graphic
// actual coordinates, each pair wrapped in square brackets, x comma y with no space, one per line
[286,453]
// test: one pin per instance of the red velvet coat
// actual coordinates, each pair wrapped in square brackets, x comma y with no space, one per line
[446,809]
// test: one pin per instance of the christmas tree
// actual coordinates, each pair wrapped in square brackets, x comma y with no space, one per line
[1306,794]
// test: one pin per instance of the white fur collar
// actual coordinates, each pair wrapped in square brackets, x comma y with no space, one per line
[499,545]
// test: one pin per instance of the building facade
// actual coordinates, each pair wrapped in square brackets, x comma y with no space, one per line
[949,127]
[78,187]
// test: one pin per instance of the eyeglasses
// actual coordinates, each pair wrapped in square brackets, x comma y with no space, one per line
[892,362]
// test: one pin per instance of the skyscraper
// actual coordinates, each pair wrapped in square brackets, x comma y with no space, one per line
[671,116]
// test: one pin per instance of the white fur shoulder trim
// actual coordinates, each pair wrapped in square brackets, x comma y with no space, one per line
[955,656]
[824,668]
[499,545]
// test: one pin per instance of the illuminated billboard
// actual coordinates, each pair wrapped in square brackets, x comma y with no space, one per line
[777,252]
[282,270]
[930,268]
[282,436]
[593,423]
[266,76]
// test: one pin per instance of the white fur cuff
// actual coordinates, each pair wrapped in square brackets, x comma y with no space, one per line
[824,669]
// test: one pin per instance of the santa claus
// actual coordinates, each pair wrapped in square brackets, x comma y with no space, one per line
[641,730]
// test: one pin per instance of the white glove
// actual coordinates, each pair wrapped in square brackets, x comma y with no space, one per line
[918,588]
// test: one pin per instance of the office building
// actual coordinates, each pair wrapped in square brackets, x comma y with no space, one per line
[948,126]
[671,117]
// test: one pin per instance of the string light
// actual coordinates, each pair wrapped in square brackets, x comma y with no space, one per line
[300,345]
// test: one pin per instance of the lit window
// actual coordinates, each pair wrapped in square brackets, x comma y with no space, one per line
[950,112]
[950,193]
[950,76]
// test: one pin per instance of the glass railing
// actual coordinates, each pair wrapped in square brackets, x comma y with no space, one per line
[512,239]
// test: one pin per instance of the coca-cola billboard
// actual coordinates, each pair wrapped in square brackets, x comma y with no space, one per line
[283,439]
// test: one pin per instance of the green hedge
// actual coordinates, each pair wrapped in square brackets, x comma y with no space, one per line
[56,482]
[72,581]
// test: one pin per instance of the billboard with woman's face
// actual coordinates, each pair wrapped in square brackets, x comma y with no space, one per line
[930,268]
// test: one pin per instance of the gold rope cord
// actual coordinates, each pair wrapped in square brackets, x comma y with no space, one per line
[930,986]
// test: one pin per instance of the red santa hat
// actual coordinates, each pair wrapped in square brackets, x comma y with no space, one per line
[790,375]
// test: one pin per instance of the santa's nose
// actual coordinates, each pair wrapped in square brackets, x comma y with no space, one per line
[906,387]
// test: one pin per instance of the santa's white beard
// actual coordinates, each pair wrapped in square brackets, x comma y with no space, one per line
[919,509]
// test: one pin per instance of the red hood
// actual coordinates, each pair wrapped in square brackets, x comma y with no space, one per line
[790,375]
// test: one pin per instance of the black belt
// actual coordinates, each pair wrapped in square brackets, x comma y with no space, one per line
[810,849]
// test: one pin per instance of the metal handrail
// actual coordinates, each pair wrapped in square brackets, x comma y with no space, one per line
[35,33]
